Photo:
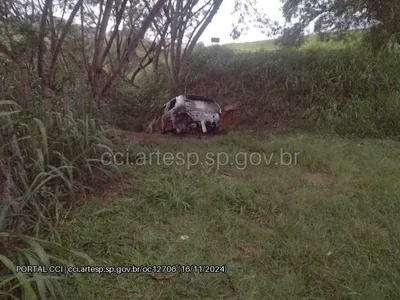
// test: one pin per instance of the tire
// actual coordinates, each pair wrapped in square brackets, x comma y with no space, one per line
[181,124]
[213,129]
[180,128]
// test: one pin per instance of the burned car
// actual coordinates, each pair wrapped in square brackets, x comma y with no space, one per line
[188,113]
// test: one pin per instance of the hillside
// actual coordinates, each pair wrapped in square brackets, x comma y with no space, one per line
[312,42]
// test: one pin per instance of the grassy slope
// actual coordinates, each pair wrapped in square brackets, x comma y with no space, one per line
[281,236]
[312,42]
[267,45]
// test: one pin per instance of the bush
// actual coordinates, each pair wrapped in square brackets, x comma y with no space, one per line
[132,107]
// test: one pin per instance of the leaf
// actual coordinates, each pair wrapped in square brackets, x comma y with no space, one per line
[101,211]
[28,291]
[8,295]
[45,145]
[82,255]
[38,278]
[3,217]
[4,234]
[9,102]
[41,253]
[169,278]
[9,113]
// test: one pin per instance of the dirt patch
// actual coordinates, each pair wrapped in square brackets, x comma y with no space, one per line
[103,187]
[287,191]
[352,195]
[230,120]
[230,177]
[317,177]
[142,136]
[245,252]
[247,249]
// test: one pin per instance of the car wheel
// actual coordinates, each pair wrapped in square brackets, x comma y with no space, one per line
[180,128]
[213,129]
[181,123]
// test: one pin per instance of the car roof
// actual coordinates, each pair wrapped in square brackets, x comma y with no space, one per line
[191,97]
[196,97]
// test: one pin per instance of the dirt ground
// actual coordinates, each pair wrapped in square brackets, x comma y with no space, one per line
[229,121]
[142,136]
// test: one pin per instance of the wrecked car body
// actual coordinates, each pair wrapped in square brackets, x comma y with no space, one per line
[188,113]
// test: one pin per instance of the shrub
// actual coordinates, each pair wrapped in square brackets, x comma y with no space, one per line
[132,107]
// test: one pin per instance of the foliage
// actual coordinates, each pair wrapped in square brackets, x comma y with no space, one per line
[327,41]
[132,107]
[50,156]
[42,45]
[180,25]
[24,251]
[347,90]
[379,18]
[47,160]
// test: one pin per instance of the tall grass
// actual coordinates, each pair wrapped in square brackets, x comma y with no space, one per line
[131,107]
[346,91]
[46,160]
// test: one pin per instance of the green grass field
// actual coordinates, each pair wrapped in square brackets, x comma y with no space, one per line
[326,227]
[266,45]
[311,42]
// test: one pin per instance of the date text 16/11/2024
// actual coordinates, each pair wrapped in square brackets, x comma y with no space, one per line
[122,269]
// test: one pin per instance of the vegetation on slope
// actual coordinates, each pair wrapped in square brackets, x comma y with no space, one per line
[344,91]
[313,41]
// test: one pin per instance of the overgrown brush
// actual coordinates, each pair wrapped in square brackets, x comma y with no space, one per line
[131,107]
[347,91]
[47,159]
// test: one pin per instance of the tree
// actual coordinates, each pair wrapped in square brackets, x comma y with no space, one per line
[181,25]
[379,18]
[46,38]
[248,14]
